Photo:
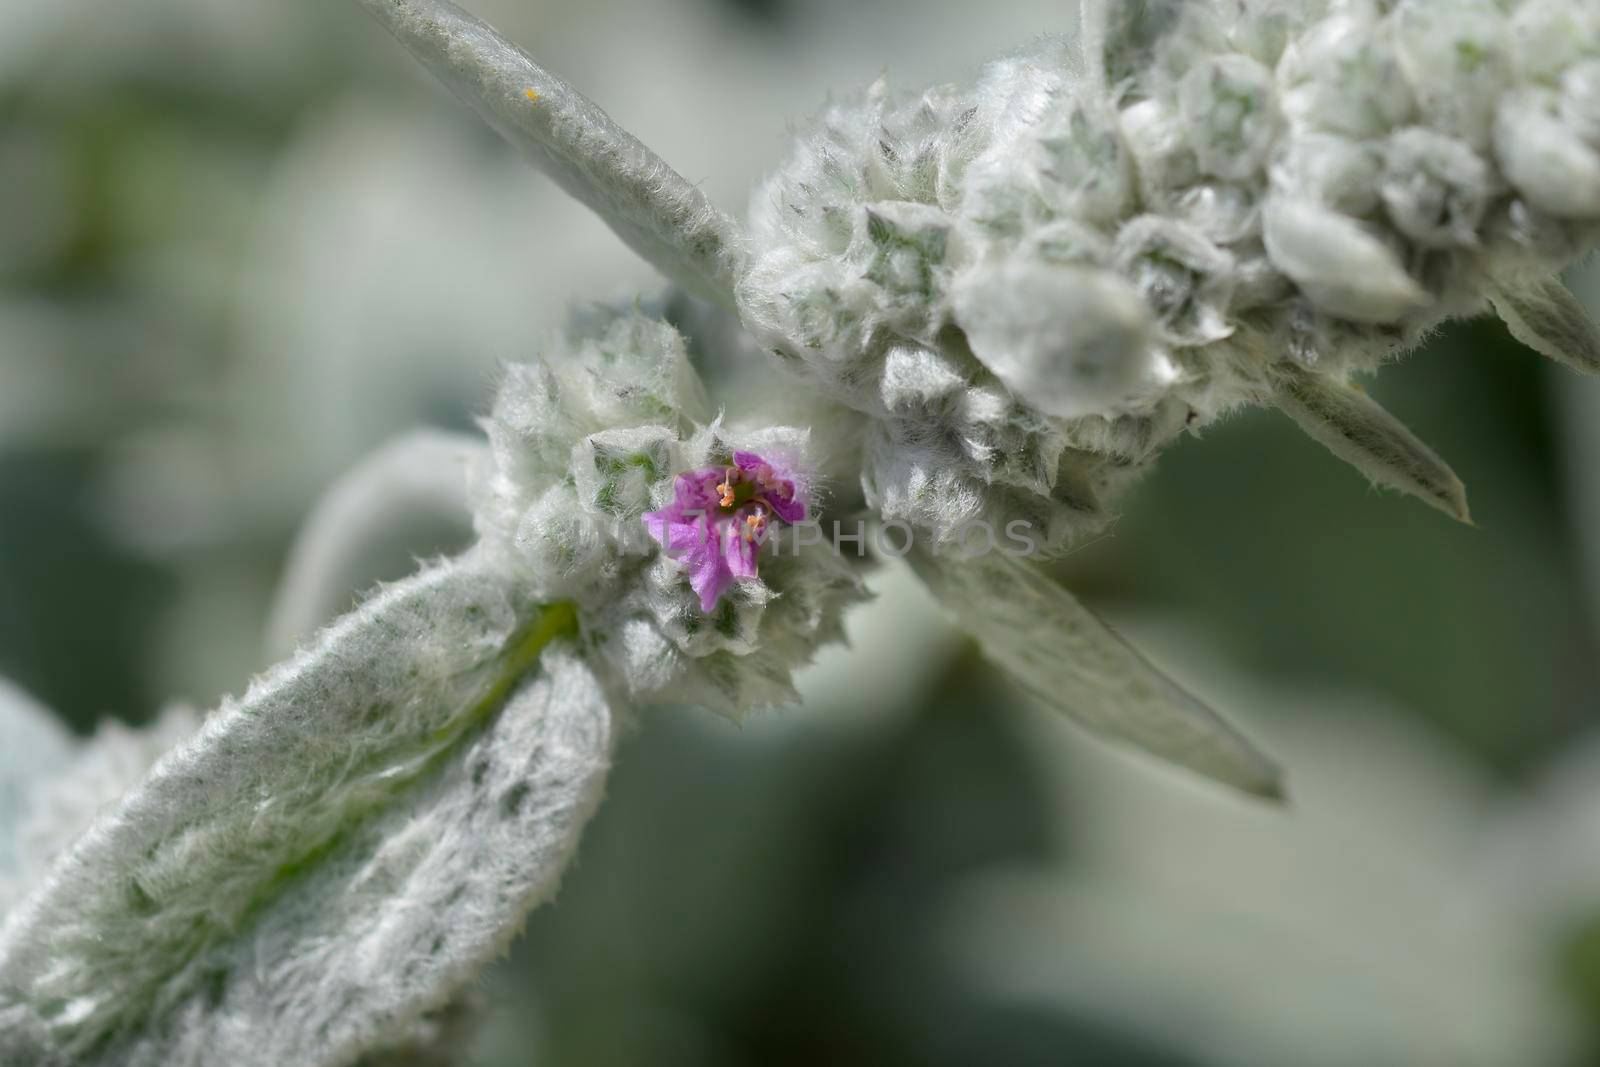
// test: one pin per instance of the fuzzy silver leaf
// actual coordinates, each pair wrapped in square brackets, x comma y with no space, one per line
[332,855]
[1544,315]
[651,206]
[1356,429]
[1066,657]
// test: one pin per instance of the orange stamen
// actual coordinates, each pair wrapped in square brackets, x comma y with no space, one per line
[754,523]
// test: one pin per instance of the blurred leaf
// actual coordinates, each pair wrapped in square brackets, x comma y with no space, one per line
[1070,661]
[406,500]
[1309,576]
[664,218]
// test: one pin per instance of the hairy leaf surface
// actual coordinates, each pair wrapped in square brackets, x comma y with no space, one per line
[648,204]
[332,854]
[1061,653]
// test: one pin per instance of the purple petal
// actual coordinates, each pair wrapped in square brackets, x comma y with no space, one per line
[696,543]
[678,532]
[711,545]
[697,490]
[687,537]
[785,503]
[778,492]
[709,576]
[689,519]
[739,550]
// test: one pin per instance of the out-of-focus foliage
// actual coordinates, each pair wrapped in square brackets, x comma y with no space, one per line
[198,243]
[1310,576]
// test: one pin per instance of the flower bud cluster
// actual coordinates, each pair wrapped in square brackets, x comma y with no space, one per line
[1033,282]
[587,440]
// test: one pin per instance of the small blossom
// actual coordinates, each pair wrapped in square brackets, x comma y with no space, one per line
[719,519]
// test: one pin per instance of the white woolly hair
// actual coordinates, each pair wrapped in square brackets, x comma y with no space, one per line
[589,439]
[1189,208]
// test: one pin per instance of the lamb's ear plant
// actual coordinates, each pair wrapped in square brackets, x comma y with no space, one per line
[1009,296]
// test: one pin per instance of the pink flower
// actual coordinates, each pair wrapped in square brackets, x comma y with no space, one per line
[719,519]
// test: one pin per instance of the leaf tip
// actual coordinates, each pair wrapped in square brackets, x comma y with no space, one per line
[1452,500]
[1271,786]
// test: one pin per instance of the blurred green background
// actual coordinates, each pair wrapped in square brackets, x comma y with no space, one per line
[242,244]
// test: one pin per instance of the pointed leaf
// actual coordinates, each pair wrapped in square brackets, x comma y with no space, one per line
[1062,653]
[1358,431]
[664,218]
[1544,315]
[332,855]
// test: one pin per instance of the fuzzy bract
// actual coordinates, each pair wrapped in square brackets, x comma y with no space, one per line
[1115,239]
[586,495]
